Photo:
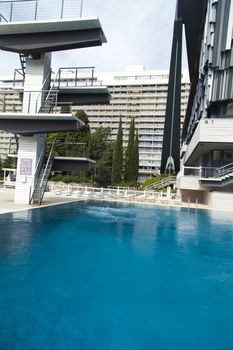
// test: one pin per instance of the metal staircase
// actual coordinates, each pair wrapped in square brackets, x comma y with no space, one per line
[23,60]
[222,176]
[43,177]
[50,101]
[165,182]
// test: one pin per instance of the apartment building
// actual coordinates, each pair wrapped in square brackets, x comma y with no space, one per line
[135,93]
[140,94]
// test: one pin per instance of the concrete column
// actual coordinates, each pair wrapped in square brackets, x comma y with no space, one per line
[30,147]
[37,77]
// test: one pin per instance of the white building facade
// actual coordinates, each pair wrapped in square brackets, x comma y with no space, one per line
[140,94]
[135,93]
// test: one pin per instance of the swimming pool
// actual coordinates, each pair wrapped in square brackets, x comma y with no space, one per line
[112,276]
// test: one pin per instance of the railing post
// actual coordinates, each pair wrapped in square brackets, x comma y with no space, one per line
[36,10]
[29,102]
[76,76]
[59,78]
[81,8]
[11,11]
[62,8]
[92,77]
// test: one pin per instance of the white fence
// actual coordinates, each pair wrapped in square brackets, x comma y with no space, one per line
[85,192]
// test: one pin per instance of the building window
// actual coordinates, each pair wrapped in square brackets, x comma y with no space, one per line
[228,156]
[216,155]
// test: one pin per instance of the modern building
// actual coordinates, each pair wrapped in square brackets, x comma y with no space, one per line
[135,93]
[206,174]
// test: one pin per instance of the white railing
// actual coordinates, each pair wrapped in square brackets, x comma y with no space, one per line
[208,172]
[86,192]
[36,10]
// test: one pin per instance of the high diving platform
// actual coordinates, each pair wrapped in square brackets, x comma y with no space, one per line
[31,38]
[34,29]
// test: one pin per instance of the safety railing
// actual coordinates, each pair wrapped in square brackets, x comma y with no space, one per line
[76,77]
[38,168]
[209,172]
[115,194]
[167,181]
[35,10]
[70,147]
[43,175]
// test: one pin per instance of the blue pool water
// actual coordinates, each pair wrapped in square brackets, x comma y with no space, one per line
[102,276]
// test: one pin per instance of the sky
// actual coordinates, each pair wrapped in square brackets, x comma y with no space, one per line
[138,33]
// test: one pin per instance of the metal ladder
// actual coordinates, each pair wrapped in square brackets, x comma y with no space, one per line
[23,60]
[42,179]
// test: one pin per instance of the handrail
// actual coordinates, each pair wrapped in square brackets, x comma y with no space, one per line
[162,182]
[36,169]
[210,172]
[61,9]
[48,161]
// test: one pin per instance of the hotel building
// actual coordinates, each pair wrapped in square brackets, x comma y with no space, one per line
[135,93]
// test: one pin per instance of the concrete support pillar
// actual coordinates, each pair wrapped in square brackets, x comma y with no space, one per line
[37,77]
[31,147]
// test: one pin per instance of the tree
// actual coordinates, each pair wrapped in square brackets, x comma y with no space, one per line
[117,161]
[136,157]
[9,162]
[101,151]
[77,142]
[130,158]
[1,172]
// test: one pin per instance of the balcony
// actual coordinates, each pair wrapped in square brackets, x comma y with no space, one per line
[210,134]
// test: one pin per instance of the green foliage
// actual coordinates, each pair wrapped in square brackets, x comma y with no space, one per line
[131,161]
[71,179]
[101,151]
[117,161]
[65,109]
[9,162]
[77,142]
[1,172]
[136,157]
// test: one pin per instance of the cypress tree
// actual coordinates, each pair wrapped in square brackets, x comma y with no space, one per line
[136,157]
[130,159]
[117,161]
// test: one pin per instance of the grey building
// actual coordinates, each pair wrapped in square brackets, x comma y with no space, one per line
[206,173]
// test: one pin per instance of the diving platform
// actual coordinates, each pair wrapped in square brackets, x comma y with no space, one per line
[30,124]
[72,163]
[36,37]
[23,31]
[84,95]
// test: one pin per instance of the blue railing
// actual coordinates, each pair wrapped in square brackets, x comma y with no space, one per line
[36,10]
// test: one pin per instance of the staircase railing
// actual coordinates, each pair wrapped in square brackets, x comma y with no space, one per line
[38,168]
[170,180]
[47,99]
[42,181]
[207,172]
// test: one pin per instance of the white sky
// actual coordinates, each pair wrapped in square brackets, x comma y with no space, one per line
[138,33]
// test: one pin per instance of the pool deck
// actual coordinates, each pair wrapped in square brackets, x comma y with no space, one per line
[7,204]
